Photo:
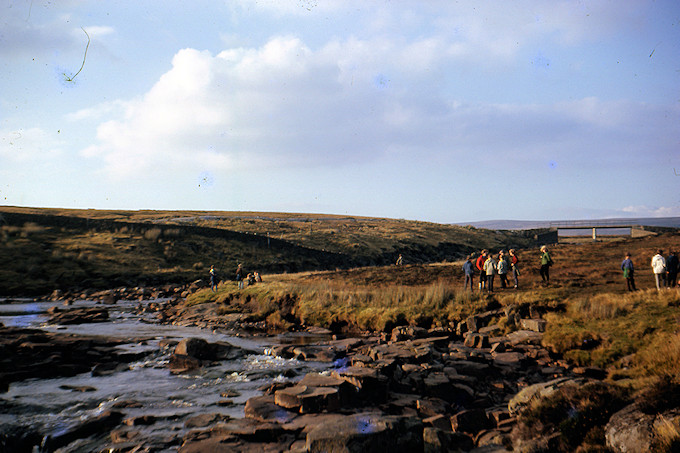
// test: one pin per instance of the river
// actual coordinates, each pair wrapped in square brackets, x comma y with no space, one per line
[51,405]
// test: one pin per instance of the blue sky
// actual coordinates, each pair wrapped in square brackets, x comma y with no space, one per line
[438,111]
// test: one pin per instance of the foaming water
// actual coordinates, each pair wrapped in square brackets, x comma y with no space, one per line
[143,388]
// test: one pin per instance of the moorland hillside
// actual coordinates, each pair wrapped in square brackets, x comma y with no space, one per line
[46,249]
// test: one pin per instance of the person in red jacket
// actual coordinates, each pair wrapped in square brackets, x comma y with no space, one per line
[514,265]
[479,264]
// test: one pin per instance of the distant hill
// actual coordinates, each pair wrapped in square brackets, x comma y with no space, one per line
[666,222]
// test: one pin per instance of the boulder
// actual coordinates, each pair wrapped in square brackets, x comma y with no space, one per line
[180,363]
[632,430]
[366,433]
[202,350]
[537,391]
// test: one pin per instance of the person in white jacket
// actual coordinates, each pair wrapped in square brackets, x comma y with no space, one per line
[659,268]
[491,271]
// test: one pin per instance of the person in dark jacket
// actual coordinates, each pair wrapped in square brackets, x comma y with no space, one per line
[469,271]
[628,272]
[672,270]
[239,276]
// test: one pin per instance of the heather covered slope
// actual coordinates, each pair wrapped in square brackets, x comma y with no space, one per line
[46,249]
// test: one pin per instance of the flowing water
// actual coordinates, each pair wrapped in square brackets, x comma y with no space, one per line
[52,405]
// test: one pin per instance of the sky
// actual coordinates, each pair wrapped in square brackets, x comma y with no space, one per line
[442,111]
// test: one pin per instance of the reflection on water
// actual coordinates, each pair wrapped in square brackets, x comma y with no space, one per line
[51,405]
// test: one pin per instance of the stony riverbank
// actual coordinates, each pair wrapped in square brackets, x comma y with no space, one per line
[462,388]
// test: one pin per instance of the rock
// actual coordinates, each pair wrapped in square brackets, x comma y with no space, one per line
[590,372]
[477,340]
[81,388]
[250,430]
[316,353]
[536,391]
[203,420]
[509,359]
[438,421]
[180,363]
[470,421]
[534,325]
[470,368]
[202,350]
[524,337]
[370,384]
[140,420]
[363,433]
[101,423]
[440,441]
[79,316]
[630,430]
[308,399]
[430,407]
[403,333]
[265,409]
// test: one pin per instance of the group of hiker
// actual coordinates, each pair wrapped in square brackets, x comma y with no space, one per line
[487,265]
[241,278]
[665,270]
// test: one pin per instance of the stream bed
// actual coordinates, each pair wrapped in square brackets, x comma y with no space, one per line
[142,388]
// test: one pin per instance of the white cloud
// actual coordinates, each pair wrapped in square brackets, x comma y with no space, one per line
[286,104]
[652,211]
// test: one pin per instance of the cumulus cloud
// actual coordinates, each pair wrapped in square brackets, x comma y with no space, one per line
[285,104]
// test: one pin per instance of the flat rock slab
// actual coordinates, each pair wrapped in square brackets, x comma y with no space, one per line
[308,399]
[364,433]
[525,337]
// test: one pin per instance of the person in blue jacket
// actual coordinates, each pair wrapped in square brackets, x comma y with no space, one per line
[469,271]
[672,266]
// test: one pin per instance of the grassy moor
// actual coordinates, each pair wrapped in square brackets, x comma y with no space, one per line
[339,274]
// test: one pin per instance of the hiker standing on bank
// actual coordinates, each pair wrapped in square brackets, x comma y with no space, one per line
[490,270]
[469,271]
[546,262]
[672,268]
[503,268]
[213,279]
[628,270]
[400,260]
[479,264]
[659,269]
[514,266]
[239,276]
